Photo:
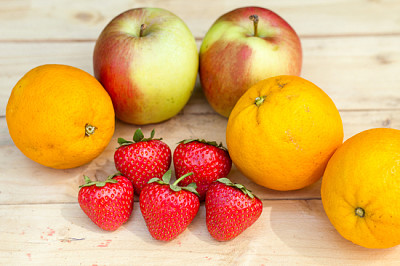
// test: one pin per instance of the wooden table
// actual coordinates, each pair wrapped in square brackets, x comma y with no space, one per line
[351,50]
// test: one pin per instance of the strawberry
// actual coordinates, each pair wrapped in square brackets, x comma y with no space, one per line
[142,159]
[207,160]
[167,208]
[107,203]
[230,209]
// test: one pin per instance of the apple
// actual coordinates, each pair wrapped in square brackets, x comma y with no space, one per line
[242,47]
[147,60]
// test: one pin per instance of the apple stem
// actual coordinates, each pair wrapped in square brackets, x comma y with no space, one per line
[142,28]
[255,19]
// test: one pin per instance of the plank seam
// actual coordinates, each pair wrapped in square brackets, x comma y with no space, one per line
[136,201]
[340,110]
[305,36]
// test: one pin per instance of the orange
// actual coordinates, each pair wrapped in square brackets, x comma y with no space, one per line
[361,187]
[60,116]
[282,132]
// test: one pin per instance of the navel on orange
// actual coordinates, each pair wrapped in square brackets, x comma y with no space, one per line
[361,187]
[282,132]
[60,116]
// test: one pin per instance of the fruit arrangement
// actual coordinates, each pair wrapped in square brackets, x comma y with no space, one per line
[283,132]
[168,208]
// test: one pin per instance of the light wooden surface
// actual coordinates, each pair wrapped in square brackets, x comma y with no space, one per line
[351,50]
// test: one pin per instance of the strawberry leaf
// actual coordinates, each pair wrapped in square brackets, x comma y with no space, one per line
[138,135]
[154,179]
[185,141]
[111,177]
[166,177]
[164,181]
[212,143]
[87,179]
[225,181]
[153,132]
[89,182]
[193,185]
[239,186]
[123,142]
[191,188]
[242,188]
[175,188]
[100,184]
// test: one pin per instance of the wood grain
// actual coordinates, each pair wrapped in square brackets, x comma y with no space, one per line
[84,20]
[288,232]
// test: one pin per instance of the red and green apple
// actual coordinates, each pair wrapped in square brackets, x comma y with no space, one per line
[242,47]
[147,60]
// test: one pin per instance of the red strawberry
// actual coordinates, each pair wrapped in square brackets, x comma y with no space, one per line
[167,208]
[107,203]
[230,209]
[207,160]
[142,159]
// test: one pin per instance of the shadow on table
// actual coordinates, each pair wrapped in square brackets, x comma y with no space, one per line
[304,228]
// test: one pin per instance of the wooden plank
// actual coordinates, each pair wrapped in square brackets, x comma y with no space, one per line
[288,232]
[59,186]
[337,65]
[83,20]
[358,73]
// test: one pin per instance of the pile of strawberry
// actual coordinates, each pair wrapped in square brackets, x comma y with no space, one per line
[201,168]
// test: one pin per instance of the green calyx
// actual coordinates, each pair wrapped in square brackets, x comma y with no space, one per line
[110,179]
[242,188]
[166,178]
[137,137]
[259,100]
[212,143]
